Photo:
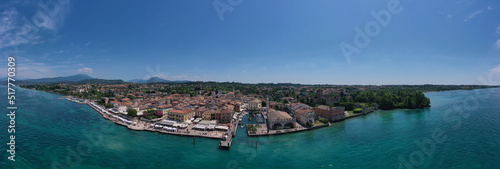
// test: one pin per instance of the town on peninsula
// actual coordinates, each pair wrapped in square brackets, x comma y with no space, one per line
[215,109]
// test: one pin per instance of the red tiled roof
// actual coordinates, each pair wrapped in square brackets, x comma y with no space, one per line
[185,111]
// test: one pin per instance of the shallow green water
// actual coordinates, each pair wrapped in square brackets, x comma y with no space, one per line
[58,132]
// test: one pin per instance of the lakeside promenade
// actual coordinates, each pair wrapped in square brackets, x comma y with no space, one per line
[225,137]
[264,132]
[138,125]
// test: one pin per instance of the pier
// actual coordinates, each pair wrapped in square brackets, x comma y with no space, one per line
[225,143]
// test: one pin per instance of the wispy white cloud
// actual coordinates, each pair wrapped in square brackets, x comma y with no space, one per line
[85,70]
[496,70]
[473,15]
[476,13]
[7,20]
[498,43]
[446,13]
[491,77]
[29,69]
[498,29]
[10,35]
[17,29]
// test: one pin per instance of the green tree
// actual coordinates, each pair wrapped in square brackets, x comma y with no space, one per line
[132,112]
[309,124]
[387,101]
[323,101]
[108,106]
[285,101]
[348,105]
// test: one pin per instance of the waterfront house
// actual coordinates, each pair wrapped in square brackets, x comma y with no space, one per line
[207,115]
[305,117]
[216,114]
[181,115]
[226,116]
[279,120]
[292,107]
[330,113]
[255,105]
[200,111]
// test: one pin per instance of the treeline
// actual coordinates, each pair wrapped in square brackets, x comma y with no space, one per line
[392,99]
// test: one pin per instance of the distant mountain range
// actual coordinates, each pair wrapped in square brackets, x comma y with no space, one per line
[155,80]
[78,78]
[74,78]
[83,78]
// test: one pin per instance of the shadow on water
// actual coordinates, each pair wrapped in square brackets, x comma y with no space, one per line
[386,116]
[413,111]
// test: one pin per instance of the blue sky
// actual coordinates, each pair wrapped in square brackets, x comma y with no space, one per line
[425,42]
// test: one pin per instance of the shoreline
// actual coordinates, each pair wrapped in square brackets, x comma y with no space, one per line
[491,87]
[138,127]
[287,131]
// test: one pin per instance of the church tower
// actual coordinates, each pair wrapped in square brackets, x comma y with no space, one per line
[267,104]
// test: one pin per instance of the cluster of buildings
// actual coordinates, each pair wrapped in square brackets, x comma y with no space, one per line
[302,114]
[182,107]
[306,115]
[221,106]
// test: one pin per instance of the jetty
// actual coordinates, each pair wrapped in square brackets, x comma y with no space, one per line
[226,141]
[79,101]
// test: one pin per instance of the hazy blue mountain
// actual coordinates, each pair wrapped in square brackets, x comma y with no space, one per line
[136,81]
[83,78]
[106,81]
[74,78]
[78,78]
[155,80]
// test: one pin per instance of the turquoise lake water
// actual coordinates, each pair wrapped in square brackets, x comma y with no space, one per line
[460,130]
